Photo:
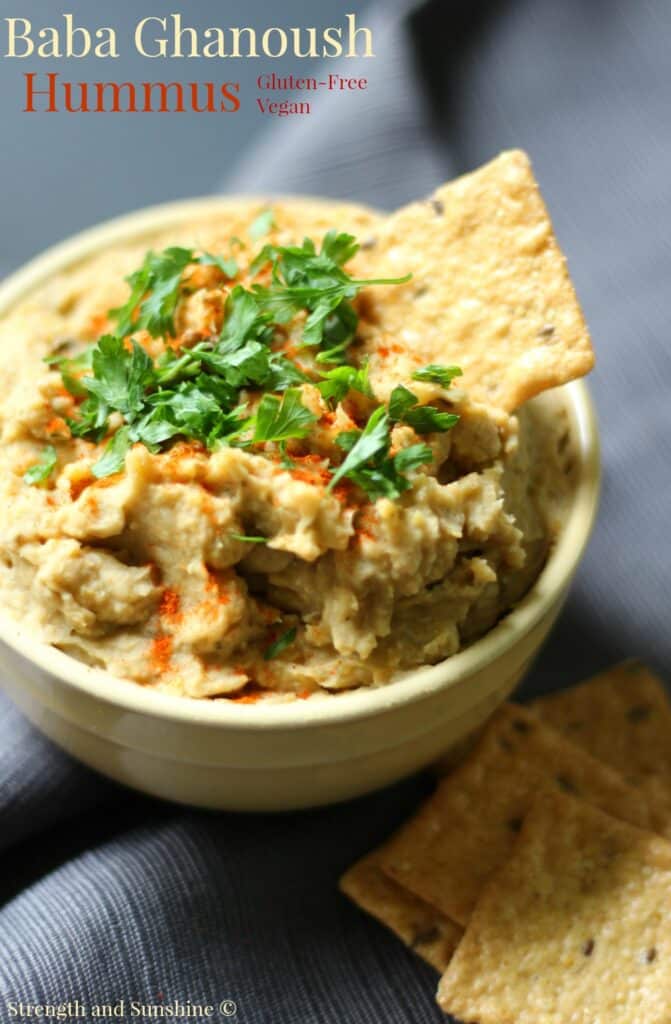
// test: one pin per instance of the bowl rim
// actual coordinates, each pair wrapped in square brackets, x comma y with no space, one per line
[414,685]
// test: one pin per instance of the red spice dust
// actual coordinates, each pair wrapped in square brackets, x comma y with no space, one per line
[80,484]
[169,605]
[57,425]
[97,324]
[160,653]
[250,694]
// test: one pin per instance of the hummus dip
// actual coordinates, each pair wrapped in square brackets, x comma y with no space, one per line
[228,554]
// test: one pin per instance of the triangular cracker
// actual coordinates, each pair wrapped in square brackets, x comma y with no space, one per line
[576,926]
[490,291]
[464,832]
[622,716]
[421,927]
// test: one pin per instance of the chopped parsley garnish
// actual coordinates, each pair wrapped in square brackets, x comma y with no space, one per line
[280,645]
[113,458]
[277,420]
[239,387]
[424,419]
[261,225]
[306,280]
[362,445]
[156,289]
[435,374]
[41,470]
[368,462]
[342,379]
[248,539]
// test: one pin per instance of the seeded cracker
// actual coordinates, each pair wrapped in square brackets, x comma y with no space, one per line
[465,831]
[422,928]
[490,290]
[623,717]
[576,927]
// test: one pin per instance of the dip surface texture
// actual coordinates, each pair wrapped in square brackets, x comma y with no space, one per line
[240,570]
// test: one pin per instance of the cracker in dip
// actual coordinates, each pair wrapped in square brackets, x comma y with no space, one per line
[279,451]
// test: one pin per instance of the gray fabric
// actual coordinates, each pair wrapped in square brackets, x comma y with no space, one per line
[108,895]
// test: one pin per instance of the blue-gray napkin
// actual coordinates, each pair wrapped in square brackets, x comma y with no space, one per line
[108,896]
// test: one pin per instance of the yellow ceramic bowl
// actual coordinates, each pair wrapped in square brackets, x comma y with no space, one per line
[299,754]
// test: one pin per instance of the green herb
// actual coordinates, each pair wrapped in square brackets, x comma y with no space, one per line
[424,419]
[120,377]
[113,458]
[261,225]
[249,540]
[412,457]
[156,289]
[368,463]
[437,374]
[41,470]
[193,410]
[228,267]
[281,421]
[315,282]
[401,401]
[336,383]
[280,645]
[362,445]
[200,392]
[71,368]
[159,278]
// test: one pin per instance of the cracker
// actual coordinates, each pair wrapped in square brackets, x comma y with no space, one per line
[490,290]
[576,926]
[461,834]
[422,928]
[623,717]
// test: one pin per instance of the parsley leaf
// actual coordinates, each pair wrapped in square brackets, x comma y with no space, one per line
[438,374]
[280,421]
[384,477]
[413,456]
[161,276]
[121,377]
[306,280]
[362,445]
[113,458]
[154,429]
[338,382]
[401,401]
[41,470]
[71,370]
[280,645]
[283,374]
[424,419]
[340,248]
[194,410]
[261,225]
[229,267]
[91,421]
[243,319]
[156,289]
[368,463]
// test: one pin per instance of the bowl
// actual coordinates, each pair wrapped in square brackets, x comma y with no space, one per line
[304,753]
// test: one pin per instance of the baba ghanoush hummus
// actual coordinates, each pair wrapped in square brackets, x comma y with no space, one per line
[291,448]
